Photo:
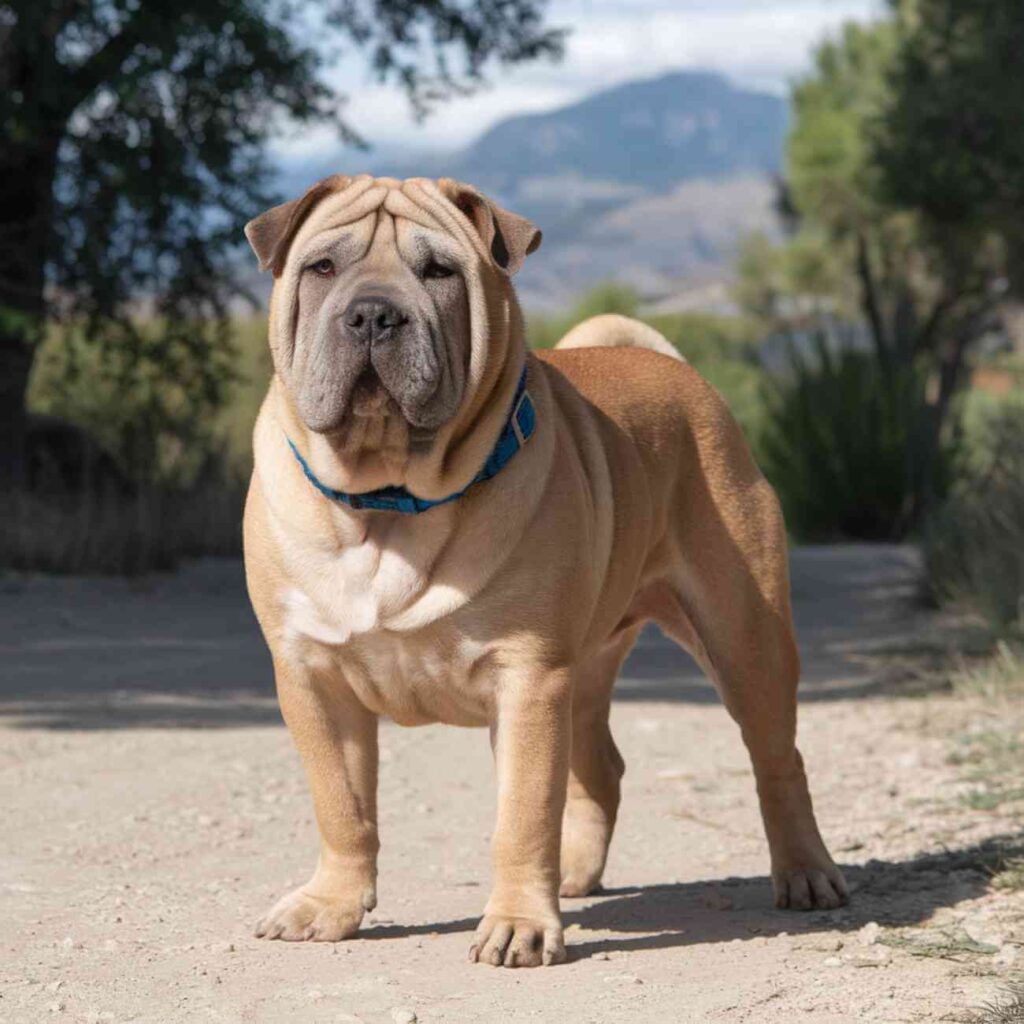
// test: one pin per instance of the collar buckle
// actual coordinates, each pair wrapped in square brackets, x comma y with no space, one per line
[522,436]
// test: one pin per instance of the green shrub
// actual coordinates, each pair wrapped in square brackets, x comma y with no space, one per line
[545,331]
[609,297]
[840,443]
[149,400]
[705,338]
[974,545]
[233,422]
[181,438]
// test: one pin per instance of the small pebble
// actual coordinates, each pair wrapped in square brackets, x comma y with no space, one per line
[876,956]
[402,1016]
[1007,955]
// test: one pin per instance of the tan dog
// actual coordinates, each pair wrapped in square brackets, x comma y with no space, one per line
[629,496]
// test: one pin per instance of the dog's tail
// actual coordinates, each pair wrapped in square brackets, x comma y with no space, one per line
[613,331]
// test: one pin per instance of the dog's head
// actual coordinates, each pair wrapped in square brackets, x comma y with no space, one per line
[394,328]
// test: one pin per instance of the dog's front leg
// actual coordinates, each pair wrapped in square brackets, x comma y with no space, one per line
[531,735]
[337,739]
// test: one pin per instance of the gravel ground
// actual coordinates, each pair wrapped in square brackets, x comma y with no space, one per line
[154,808]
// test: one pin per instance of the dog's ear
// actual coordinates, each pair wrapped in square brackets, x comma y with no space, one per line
[508,237]
[271,233]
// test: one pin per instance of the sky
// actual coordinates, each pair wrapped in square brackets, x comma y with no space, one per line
[756,43]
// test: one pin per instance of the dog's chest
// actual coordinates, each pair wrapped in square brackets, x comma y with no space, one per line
[434,676]
[390,633]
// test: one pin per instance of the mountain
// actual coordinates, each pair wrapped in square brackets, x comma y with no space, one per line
[652,182]
[649,134]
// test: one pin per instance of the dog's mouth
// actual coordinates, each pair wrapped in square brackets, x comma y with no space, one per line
[370,398]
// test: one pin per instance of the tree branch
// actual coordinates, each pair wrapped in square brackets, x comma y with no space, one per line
[927,331]
[869,290]
[105,62]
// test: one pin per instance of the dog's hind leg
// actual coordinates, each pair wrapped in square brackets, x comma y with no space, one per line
[726,599]
[595,770]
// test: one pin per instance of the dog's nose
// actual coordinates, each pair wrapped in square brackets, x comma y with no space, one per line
[372,319]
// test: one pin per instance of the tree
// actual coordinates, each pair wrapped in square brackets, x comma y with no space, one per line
[903,167]
[949,148]
[132,149]
[951,144]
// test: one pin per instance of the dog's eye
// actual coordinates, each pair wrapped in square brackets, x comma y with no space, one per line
[433,271]
[324,267]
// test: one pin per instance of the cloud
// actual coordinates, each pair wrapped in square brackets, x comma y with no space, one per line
[755,43]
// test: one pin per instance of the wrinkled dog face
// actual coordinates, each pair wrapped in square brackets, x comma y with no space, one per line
[381,327]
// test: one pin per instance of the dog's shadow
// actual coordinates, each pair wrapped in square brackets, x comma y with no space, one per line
[891,893]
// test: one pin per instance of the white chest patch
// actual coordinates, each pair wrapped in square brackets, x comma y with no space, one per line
[393,670]
[360,590]
[303,620]
[351,594]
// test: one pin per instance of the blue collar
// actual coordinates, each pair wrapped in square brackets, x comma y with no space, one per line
[521,423]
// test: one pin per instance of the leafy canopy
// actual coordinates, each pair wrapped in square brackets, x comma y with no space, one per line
[133,149]
[161,112]
[951,144]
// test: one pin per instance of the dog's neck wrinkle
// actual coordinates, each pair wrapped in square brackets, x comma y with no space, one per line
[366,452]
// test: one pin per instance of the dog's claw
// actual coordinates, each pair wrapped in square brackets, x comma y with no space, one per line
[517,942]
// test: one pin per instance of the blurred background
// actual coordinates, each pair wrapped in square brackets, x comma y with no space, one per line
[818,202]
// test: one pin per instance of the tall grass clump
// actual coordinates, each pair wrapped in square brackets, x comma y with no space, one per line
[841,442]
[113,533]
[974,545]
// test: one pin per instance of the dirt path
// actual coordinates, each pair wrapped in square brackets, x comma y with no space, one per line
[153,808]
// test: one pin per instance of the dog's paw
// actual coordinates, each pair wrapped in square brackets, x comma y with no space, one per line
[303,917]
[584,848]
[575,886]
[517,942]
[817,888]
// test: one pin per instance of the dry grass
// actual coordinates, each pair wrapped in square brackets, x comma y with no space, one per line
[945,944]
[116,535]
[1000,678]
[991,745]
[974,545]
[1009,1009]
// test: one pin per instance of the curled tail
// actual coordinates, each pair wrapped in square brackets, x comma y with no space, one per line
[613,331]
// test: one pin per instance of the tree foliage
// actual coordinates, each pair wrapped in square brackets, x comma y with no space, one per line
[133,148]
[951,144]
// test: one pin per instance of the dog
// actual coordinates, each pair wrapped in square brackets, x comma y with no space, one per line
[443,526]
